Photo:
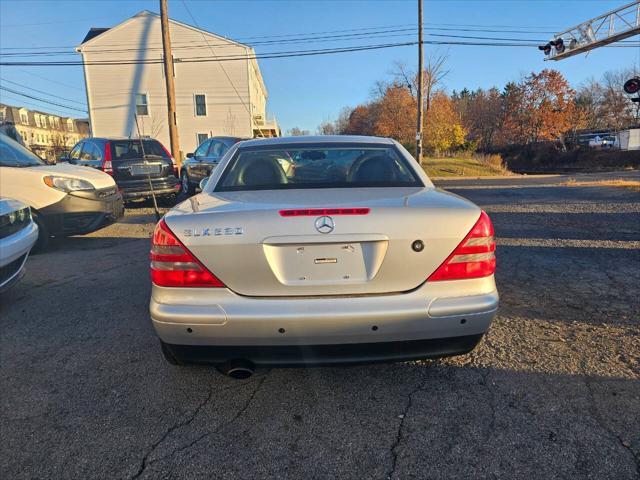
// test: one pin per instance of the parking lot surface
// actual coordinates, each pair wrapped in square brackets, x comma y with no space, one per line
[553,390]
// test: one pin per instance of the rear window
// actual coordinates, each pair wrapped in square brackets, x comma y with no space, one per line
[262,168]
[129,149]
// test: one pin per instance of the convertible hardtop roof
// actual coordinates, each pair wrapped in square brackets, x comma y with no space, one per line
[315,139]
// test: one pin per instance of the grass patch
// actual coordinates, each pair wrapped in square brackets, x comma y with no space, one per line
[475,166]
[633,185]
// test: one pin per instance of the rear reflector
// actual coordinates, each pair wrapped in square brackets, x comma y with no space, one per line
[173,265]
[473,258]
[314,212]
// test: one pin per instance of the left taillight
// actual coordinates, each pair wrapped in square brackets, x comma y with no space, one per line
[474,257]
[107,166]
[173,265]
[173,160]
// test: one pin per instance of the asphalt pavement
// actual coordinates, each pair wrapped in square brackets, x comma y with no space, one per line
[552,391]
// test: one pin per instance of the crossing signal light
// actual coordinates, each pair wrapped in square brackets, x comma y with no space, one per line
[558,43]
[632,86]
[545,48]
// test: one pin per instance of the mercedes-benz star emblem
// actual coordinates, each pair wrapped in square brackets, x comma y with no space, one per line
[325,224]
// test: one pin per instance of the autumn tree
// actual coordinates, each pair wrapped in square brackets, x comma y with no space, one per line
[396,116]
[362,120]
[443,131]
[480,113]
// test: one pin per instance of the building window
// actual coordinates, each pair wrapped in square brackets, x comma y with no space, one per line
[200,101]
[70,125]
[2,115]
[142,104]
[24,118]
[202,137]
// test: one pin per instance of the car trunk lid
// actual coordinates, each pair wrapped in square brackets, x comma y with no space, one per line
[250,242]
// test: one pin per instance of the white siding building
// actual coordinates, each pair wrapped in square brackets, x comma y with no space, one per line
[212,98]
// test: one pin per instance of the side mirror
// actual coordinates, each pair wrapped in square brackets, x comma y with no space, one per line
[189,155]
[203,183]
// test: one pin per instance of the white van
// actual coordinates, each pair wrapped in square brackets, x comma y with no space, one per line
[64,199]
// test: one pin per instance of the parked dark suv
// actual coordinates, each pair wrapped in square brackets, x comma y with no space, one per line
[132,163]
[199,164]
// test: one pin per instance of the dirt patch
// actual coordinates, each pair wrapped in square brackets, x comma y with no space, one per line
[633,185]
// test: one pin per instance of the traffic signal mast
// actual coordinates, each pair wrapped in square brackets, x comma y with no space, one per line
[613,26]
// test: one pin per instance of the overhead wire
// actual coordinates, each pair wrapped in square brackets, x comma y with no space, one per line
[4,80]
[42,100]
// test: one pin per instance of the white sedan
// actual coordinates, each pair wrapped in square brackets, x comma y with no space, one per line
[352,256]
[18,234]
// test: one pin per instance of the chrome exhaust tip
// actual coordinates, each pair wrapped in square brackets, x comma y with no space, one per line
[238,369]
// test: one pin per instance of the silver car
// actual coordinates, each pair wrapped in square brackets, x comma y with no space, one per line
[18,234]
[350,255]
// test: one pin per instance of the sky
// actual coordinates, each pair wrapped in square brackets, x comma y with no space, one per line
[305,91]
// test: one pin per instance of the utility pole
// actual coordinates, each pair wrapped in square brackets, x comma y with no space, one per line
[168,75]
[420,84]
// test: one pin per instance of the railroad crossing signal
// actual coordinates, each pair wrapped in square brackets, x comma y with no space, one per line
[613,26]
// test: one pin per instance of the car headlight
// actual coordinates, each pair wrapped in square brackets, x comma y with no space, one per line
[17,217]
[67,184]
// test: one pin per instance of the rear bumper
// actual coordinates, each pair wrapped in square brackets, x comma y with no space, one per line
[235,325]
[80,213]
[340,354]
[140,189]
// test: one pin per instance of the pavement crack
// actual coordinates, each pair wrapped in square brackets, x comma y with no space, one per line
[492,399]
[399,432]
[145,460]
[595,413]
[238,414]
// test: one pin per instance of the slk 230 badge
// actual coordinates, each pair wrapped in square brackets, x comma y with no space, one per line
[215,232]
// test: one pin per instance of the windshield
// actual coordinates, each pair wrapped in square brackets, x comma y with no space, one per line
[12,154]
[317,166]
[126,149]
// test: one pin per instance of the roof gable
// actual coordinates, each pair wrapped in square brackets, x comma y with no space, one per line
[92,33]
[95,35]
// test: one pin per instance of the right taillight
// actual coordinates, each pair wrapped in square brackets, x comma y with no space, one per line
[473,258]
[173,265]
[107,166]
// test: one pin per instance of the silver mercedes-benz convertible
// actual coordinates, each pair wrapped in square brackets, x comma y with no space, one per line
[321,250]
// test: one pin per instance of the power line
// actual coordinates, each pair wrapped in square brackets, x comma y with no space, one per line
[42,100]
[35,105]
[57,82]
[307,35]
[41,91]
[269,55]
[285,54]
[295,41]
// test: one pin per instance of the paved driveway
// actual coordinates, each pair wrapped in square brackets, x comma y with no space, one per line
[553,391]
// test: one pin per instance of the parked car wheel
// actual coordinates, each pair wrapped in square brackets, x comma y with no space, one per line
[43,233]
[186,187]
